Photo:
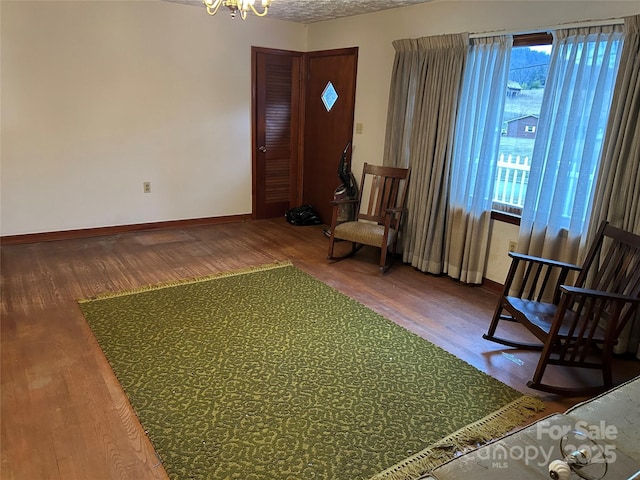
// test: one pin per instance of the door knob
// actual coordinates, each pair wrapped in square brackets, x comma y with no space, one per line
[263,149]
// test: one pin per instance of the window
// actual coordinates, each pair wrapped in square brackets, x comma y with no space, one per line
[528,70]
[329,96]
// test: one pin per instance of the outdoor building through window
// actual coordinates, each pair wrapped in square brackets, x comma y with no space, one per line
[528,70]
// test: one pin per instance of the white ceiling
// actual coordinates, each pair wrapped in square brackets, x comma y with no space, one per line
[309,11]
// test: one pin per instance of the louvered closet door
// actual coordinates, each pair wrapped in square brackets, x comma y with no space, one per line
[275,160]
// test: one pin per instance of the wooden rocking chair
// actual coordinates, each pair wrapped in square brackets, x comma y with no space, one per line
[378,220]
[580,324]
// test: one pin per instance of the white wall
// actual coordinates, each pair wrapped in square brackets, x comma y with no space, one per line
[374,34]
[100,96]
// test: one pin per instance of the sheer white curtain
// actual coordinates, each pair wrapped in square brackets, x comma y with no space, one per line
[475,152]
[573,119]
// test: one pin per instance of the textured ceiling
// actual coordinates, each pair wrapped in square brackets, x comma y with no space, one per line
[309,11]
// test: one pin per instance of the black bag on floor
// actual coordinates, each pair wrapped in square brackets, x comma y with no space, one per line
[302,215]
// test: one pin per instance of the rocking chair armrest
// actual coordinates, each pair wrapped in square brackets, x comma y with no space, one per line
[598,294]
[394,210]
[545,261]
[392,217]
[336,207]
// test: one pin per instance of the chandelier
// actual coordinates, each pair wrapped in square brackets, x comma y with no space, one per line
[236,6]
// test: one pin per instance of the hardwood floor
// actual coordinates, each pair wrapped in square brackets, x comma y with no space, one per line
[64,415]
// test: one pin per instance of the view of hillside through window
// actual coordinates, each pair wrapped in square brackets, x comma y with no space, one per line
[527,77]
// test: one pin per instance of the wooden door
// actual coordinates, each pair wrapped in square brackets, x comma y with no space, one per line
[328,127]
[276,132]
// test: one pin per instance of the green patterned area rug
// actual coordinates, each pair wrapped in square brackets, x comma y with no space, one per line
[268,373]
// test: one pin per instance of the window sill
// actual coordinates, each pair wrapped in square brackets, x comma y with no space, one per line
[505,217]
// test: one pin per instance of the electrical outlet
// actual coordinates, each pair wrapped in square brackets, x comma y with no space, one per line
[146,187]
[512,246]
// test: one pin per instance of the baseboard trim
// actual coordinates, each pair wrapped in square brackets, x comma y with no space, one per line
[492,286]
[101,231]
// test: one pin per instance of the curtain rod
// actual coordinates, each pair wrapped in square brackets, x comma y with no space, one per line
[588,23]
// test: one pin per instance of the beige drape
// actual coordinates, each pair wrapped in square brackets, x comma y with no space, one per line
[425,85]
[617,197]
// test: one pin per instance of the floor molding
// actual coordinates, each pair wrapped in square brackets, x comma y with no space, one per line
[492,286]
[100,231]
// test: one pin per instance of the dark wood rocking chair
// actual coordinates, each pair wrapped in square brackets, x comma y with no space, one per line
[378,218]
[580,324]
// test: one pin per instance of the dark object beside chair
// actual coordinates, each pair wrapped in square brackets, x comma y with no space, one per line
[579,325]
[302,216]
[378,217]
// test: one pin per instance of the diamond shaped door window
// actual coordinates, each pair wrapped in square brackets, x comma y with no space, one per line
[329,96]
